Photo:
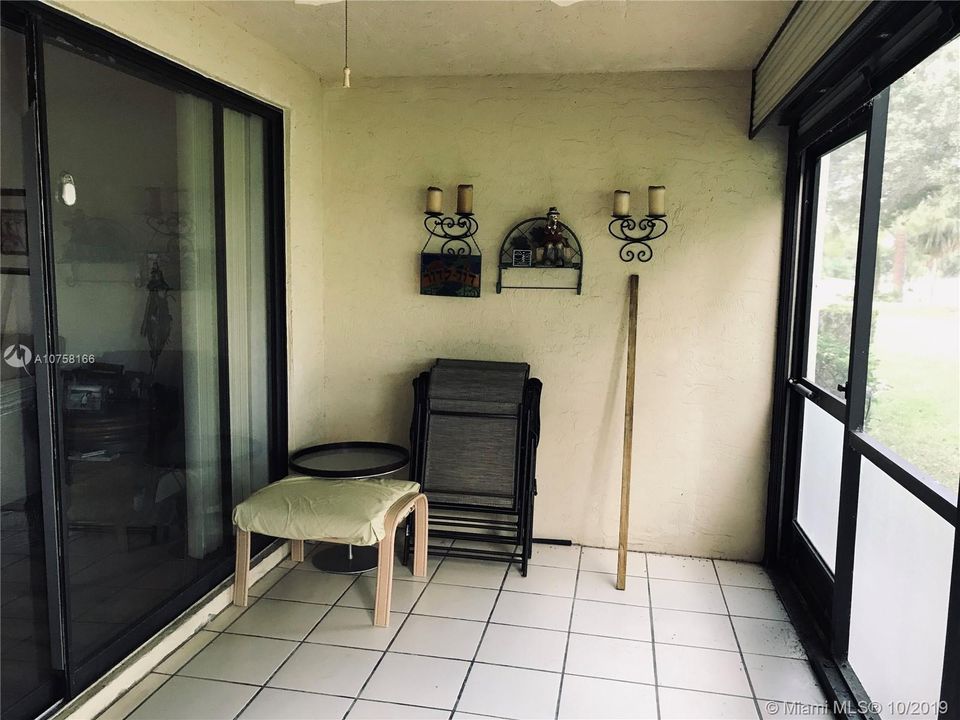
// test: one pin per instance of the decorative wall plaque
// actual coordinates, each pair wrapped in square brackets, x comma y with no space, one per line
[450,275]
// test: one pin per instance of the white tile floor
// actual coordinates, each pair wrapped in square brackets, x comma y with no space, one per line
[689,638]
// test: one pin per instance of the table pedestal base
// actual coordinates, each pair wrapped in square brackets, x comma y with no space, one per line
[347,559]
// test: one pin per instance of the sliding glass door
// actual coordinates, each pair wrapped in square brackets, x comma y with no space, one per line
[145,376]
[872,458]
[131,164]
[29,681]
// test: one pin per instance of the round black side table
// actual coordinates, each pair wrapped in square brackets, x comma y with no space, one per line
[349,461]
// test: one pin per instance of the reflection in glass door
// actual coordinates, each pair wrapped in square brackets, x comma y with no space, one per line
[28,680]
[133,224]
[836,183]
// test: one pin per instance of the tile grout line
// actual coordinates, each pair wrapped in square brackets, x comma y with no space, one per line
[665,687]
[568,597]
[383,655]
[485,662]
[298,645]
[653,637]
[168,655]
[540,594]
[137,706]
[746,671]
[406,617]
[566,647]
[466,678]
[480,662]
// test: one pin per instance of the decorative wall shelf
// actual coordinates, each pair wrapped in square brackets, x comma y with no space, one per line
[541,243]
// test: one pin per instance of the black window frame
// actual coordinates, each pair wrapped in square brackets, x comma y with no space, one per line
[41,23]
[819,600]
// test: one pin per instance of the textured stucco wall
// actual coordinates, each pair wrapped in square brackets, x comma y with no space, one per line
[707,300]
[199,38]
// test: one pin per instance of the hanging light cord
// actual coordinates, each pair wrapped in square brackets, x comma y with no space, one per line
[346,46]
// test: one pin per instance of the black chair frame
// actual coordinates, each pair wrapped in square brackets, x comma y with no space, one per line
[498,526]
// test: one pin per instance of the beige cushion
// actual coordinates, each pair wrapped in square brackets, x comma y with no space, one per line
[308,508]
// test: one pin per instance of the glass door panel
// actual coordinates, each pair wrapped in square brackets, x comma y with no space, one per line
[834,258]
[28,685]
[133,223]
[821,454]
[834,217]
[901,583]
[914,362]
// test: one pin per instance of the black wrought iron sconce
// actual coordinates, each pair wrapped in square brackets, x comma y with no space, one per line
[457,232]
[634,233]
[454,271]
[163,212]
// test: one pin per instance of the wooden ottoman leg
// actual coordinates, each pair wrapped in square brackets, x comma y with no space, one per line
[242,568]
[381,608]
[296,550]
[420,536]
[400,509]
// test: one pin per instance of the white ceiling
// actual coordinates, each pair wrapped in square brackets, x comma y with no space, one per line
[390,38]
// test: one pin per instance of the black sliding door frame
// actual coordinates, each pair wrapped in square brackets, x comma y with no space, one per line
[43,311]
[825,597]
[50,426]
[41,23]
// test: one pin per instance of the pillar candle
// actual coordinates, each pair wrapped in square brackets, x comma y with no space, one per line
[464,199]
[655,200]
[434,199]
[621,203]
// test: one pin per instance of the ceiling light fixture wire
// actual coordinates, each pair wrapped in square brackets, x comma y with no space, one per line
[346,46]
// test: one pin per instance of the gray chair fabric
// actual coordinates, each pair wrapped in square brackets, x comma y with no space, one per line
[472,432]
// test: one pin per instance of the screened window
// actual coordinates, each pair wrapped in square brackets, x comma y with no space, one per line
[913,383]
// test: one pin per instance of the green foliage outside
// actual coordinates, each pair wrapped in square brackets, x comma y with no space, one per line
[833,348]
[914,408]
[920,210]
[913,389]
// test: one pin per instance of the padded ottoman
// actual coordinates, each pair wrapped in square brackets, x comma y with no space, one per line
[355,512]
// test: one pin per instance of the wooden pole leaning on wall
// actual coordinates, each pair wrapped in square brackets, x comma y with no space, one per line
[627,436]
